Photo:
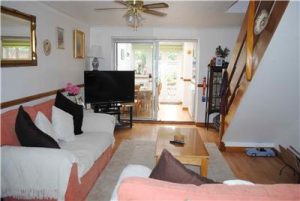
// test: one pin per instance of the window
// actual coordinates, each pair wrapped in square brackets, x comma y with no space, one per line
[15,48]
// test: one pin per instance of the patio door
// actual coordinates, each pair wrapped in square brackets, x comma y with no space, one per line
[170,67]
[140,57]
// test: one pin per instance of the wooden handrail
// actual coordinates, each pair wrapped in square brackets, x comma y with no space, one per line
[250,39]
[31,98]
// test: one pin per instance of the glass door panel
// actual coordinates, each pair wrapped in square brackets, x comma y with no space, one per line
[139,56]
[170,70]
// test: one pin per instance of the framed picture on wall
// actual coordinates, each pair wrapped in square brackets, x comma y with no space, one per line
[78,44]
[60,38]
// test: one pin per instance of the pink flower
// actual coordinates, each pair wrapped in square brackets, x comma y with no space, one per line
[72,89]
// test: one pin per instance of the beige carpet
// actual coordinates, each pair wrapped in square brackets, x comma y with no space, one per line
[142,152]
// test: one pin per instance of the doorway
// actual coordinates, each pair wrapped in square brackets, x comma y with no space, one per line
[176,70]
[164,77]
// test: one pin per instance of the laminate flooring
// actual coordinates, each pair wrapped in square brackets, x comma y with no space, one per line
[172,112]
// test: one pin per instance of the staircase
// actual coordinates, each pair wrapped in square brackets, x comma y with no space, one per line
[246,56]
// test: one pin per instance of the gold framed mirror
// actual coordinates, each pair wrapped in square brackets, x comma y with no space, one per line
[18,38]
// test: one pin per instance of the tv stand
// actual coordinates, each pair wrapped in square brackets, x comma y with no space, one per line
[115,109]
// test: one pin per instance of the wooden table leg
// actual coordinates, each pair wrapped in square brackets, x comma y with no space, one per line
[203,167]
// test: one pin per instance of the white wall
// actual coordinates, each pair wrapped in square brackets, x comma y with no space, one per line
[53,71]
[208,39]
[269,110]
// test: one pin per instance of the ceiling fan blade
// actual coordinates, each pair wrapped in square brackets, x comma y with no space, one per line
[156,5]
[233,3]
[98,9]
[125,3]
[154,12]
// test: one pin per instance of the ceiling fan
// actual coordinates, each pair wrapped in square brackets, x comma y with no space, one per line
[134,10]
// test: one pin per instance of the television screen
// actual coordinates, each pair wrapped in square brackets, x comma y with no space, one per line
[109,86]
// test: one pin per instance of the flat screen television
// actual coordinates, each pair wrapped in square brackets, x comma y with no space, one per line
[104,87]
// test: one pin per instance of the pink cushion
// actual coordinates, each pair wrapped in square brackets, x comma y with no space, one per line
[136,188]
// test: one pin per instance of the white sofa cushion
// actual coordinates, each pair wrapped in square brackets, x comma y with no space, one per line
[87,147]
[63,124]
[43,123]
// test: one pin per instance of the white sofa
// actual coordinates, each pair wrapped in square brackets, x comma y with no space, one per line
[63,174]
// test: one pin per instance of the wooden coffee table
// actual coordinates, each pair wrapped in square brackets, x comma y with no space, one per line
[192,153]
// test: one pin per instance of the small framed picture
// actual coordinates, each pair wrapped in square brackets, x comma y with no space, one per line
[60,38]
[219,61]
[78,44]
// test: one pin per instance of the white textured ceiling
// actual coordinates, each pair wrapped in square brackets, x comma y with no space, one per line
[179,13]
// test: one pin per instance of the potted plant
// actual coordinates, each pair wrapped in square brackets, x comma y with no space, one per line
[221,54]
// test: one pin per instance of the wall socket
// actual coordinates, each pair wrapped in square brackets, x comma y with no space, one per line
[88,106]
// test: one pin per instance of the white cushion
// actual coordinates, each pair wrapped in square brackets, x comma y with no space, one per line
[237,182]
[43,123]
[130,171]
[63,124]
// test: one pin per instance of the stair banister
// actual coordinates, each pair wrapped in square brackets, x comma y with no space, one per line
[253,48]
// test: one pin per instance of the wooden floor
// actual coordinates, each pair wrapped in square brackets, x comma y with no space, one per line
[257,170]
[166,112]
[172,112]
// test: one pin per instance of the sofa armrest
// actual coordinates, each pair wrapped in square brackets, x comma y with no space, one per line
[34,172]
[98,122]
[131,170]
[144,189]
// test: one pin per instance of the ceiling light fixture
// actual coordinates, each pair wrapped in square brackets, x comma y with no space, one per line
[133,15]
[134,19]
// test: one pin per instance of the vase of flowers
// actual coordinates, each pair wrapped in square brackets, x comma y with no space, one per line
[73,91]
